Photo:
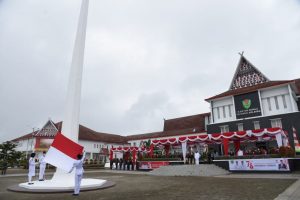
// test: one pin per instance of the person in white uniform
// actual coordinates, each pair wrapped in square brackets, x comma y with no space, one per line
[197,157]
[240,152]
[31,171]
[78,165]
[42,167]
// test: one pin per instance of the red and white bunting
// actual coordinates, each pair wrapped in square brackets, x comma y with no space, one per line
[249,135]
[164,141]
[125,149]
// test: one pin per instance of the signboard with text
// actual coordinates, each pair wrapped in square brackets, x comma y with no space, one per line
[43,144]
[269,164]
[152,164]
[247,105]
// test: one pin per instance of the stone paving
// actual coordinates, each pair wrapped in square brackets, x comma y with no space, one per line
[196,184]
[189,170]
[291,193]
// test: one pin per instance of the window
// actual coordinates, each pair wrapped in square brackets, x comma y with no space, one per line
[256,125]
[240,126]
[134,144]
[218,111]
[284,101]
[229,107]
[224,128]
[224,113]
[276,102]
[94,146]
[269,103]
[276,123]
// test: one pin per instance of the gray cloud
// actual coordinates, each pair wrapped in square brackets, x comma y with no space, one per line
[144,60]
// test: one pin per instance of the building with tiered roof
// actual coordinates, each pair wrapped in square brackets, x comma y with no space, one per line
[255,102]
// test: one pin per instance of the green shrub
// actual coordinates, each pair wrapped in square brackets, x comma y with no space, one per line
[24,164]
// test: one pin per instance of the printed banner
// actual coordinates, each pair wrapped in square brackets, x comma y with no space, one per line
[152,164]
[43,144]
[247,105]
[269,164]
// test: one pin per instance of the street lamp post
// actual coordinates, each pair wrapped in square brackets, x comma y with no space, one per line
[27,151]
[32,139]
[31,143]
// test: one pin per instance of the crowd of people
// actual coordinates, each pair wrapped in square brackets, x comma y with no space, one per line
[196,157]
[253,151]
[77,166]
[123,164]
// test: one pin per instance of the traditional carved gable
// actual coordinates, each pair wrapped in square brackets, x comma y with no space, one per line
[246,75]
[49,129]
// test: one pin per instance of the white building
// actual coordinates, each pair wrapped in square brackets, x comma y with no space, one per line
[255,102]
[96,144]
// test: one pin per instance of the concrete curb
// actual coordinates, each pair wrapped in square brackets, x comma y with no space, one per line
[85,172]
[291,193]
[17,188]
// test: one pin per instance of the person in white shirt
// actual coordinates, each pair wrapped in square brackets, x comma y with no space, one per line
[78,165]
[197,157]
[240,152]
[42,167]
[31,168]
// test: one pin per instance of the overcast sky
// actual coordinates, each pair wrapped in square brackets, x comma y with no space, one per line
[144,60]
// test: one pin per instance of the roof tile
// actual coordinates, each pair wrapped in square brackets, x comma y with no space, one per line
[249,89]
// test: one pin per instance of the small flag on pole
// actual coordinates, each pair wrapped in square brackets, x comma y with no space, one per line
[63,152]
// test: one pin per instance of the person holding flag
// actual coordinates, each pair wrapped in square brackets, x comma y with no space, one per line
[42,167]
[31,168]
[78,165]
[66,155]
[63,153]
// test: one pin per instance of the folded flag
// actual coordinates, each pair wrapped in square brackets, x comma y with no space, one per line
[63,152]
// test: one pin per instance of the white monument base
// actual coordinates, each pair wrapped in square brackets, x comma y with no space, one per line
[62,184]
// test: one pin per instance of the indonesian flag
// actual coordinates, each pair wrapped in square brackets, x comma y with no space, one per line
[63,152]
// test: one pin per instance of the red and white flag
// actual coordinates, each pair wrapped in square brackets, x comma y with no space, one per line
[63,152]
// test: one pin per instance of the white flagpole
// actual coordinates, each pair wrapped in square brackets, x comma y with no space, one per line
[70,126]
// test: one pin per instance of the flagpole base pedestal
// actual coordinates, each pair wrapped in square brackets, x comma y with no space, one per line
[50,186]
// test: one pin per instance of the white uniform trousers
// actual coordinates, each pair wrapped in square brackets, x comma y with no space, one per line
[42,171]
[31,170]
[77,183]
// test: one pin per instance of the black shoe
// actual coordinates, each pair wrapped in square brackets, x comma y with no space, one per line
[75,194]
[41,179]
[30,183]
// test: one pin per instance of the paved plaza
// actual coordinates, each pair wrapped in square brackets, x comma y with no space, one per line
[142,185]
